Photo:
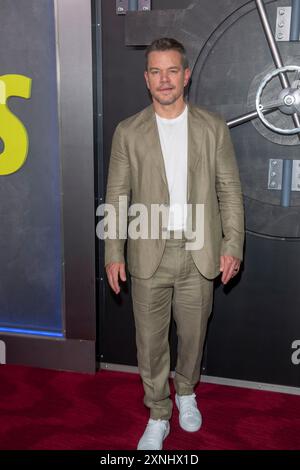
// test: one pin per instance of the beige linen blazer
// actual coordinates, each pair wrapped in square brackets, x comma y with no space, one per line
[136,170]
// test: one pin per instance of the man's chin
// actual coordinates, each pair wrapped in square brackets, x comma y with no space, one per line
[166,102]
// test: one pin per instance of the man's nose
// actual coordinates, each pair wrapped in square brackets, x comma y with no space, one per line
[164,76]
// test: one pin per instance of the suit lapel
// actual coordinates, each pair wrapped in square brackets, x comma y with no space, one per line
[152,142]
[196,128]
[196,134]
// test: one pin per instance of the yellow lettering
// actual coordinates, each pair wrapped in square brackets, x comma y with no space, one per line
[12,131]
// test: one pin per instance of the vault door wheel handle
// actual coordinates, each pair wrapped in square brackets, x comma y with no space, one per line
[288,100]
[281,71]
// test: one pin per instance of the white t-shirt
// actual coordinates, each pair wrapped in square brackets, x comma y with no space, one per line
[173,134]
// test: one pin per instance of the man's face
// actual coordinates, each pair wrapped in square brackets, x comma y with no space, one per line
[166,77]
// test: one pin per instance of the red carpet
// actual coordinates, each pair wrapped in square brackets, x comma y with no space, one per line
[43,409]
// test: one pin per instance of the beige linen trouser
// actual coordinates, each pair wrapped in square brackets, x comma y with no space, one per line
[177,283]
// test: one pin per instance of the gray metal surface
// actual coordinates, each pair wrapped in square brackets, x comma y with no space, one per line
[245,118]
[242,119]
[51,353]
[99,166]
[286,101]
[283,23]
[287,173]
[275,174]
[122,7]
[296,175]
[270,38]
[272,90]
[274,51]
[144,5]
[214,380]
[77,156]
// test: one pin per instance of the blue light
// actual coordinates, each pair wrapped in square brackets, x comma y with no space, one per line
[31,332]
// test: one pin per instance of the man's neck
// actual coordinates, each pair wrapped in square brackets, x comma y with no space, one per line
[170,111]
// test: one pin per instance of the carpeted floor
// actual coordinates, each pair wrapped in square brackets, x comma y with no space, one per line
[43,409]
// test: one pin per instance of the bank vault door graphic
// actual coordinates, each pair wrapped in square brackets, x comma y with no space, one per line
[257,90]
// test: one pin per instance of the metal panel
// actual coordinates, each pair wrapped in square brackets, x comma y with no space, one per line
[121,7]
[99,163]
[296,176]
[283,23]
[215,380]
[50,353]
[76,130]
[275,174]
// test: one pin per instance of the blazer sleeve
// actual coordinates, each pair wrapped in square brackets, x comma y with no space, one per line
[118,189]
[229,193]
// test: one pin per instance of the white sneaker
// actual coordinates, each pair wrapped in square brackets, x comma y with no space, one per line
[155,433]
[190,418]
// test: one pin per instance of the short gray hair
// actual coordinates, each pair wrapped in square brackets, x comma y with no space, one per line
[167,44]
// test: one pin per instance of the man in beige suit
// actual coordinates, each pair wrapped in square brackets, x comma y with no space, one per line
[179,157]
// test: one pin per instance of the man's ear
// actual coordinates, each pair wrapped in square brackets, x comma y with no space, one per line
[146,79]
[187,76]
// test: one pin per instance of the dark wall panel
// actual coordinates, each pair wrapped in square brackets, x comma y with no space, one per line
[256,320]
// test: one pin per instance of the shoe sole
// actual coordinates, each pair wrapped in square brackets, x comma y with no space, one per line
[187,428]
[165,436]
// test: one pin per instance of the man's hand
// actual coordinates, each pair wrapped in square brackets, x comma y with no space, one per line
[229,267]
[113,270]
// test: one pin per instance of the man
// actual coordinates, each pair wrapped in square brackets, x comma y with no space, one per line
[180,157]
